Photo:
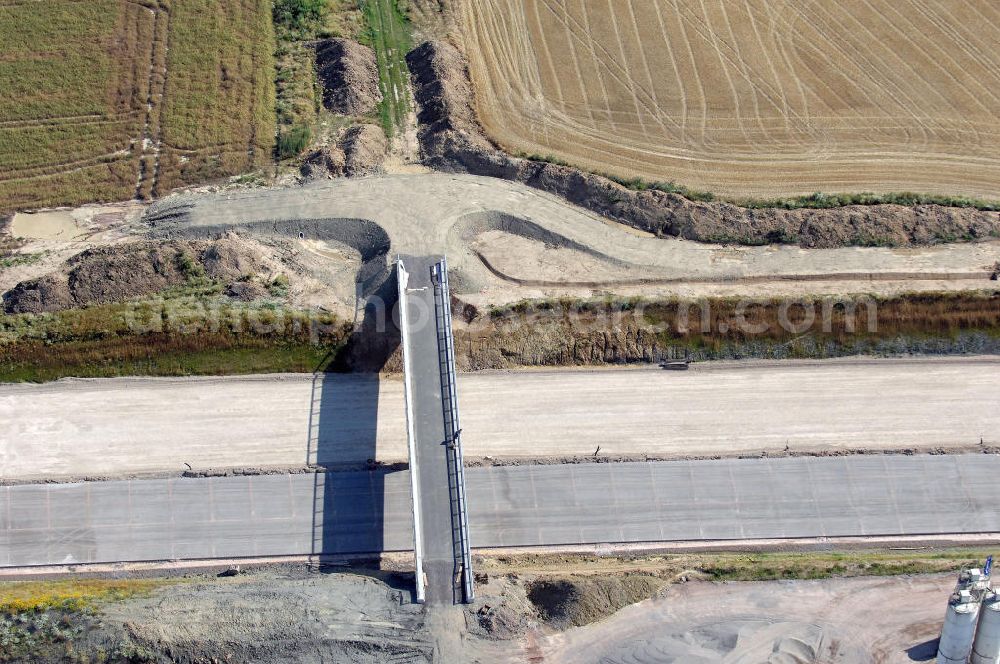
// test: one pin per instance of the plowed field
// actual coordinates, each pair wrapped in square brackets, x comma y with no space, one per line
[748,97]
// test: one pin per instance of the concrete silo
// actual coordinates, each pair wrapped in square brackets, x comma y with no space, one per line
[986,648]
[959,628]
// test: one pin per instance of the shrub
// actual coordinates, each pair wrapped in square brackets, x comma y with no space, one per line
[298,14]
[278,286]
[293,142]
[191,269]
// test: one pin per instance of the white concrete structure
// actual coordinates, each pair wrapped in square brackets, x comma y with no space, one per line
[959,628]
[986,648]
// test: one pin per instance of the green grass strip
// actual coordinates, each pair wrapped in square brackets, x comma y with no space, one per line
[388,32]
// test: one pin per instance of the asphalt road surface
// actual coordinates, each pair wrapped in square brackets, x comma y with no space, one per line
[352,512]
[112,428]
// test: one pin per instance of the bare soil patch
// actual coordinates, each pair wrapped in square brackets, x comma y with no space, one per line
[800,622]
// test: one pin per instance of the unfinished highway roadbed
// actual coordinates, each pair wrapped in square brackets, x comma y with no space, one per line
[362,512]
[121,427]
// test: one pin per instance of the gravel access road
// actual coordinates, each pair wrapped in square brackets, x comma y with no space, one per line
[447,214]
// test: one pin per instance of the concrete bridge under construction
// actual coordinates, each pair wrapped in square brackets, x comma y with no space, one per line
[434,434]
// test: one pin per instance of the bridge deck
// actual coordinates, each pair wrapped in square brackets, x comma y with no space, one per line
[432,424]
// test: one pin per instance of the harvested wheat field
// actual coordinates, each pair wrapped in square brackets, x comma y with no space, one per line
[757,98]
[112,99]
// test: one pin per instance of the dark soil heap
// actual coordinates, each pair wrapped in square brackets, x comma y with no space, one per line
[349,73]
[360,151]
[574,601]
[452,139]
[118,272]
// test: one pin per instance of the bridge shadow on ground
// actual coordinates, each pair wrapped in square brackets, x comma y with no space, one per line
[349,485]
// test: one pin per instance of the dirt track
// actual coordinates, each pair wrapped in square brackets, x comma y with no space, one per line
[118,427]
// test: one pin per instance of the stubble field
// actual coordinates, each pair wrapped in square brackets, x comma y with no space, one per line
[757,98]
[113,99]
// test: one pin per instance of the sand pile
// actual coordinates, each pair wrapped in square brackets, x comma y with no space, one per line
[576,601]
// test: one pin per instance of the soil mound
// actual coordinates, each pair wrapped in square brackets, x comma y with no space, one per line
[50,293]
[327,162]
[339,618]
[364,148]
[118,272]
[496,622]
[575,601]
[349,73]
[360,151]
[452,139]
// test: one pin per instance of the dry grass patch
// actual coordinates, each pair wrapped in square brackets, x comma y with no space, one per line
[218,114]
[73,100]
[754,99]
[71,594]
[112,99]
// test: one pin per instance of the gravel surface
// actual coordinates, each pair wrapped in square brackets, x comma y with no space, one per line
[437,213]
[849,621]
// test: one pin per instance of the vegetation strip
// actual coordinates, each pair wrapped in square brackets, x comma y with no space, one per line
[389,34]
[179,336]
[51,620]
[71,594]
[192,332]
[296,23]
[814,201]
[755,566]
[561,332]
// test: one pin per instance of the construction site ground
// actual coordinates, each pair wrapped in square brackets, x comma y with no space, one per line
[358,613]
[539,245]
[123,427]
[507,242]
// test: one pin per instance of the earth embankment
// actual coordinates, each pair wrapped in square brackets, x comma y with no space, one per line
[452,140]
